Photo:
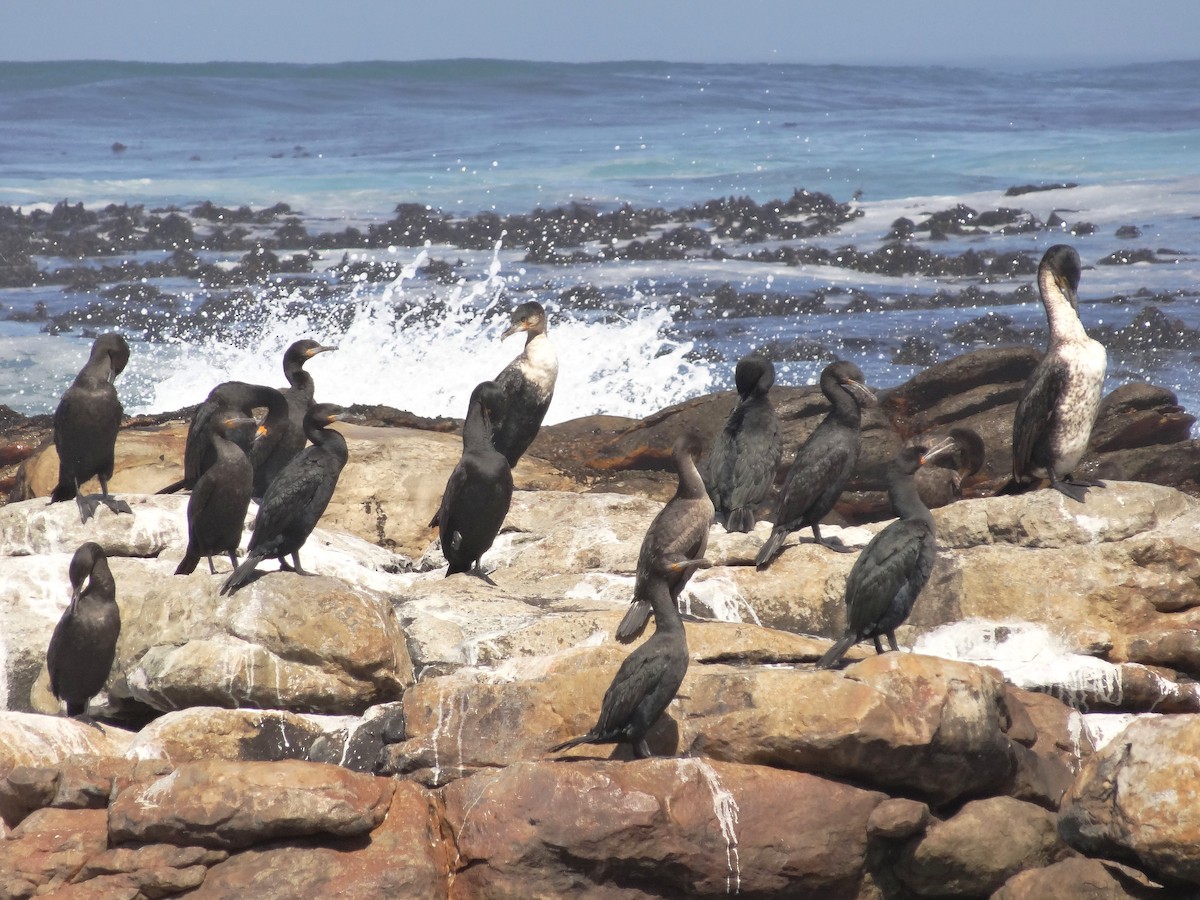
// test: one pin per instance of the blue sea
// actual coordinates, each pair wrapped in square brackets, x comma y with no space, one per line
[344,145]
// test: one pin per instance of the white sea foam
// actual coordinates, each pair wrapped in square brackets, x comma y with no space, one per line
[390,351]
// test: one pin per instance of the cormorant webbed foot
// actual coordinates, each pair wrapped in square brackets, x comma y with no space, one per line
[117,506]
[1075,490]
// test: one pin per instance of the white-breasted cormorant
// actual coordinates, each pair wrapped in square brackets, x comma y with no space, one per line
[295,500]
[674,545]
[219,501]
[1058,405]
[84,642]
[744,457]
[479,490]
[646,682]
[824,462]
[889,573]
[271,458]
[86,423]
[230,398]
[527,383]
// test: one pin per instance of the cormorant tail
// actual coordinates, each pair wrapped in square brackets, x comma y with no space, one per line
[635,621]
[1014,487]
[62,492]
[836,652]
[771,547]
[573,742]
[75,708]
[173,487]
[740,520]
[241,574]
[188,564]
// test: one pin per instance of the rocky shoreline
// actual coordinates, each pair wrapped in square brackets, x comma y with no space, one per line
[380,730]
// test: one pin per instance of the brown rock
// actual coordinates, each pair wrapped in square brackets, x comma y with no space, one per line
[660,827]
[226,805]
[1138,799]
[207,732]
[1080,879]
[976,851]
[152,870]
[48,848]
[898,818]
[405,856]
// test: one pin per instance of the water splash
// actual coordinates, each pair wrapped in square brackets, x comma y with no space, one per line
[424,347]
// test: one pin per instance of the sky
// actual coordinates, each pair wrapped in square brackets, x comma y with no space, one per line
[1040,33]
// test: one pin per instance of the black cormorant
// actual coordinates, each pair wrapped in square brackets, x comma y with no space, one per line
[479,490]
[889,574]
[527,383]
[645,683]
[674,545]
[84,642]
[941,483]
[824,462]
[85,428]
[1058,405]
[297,497]
[270,459]
[230,398]
[219,501]
[745,455]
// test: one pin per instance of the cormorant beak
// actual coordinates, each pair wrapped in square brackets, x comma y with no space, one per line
[941,448]
[315,350]
[260,432]
[514,328]
[1068,292]
[861,389]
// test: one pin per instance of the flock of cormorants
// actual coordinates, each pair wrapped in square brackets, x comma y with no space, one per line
[231,457]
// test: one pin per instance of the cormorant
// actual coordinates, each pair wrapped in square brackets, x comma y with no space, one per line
[889,574]
[645,683]
[218,504]
[270,460]
[745,455]
[1058,405]
[479,490]
[941,483]
[230,398]
[297,497]
[824,462]
[85,428]
[527,383]
[674,545]
[84,642]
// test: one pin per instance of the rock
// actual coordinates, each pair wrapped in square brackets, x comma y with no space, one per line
[46,850]
[404,856]
[230,805]
[152,870]
[32,740]
[1079,879]
[898,818]
[1138,800]
[206,732]
[656,826]
[973,853]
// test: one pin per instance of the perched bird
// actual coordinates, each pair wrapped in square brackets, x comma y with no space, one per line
[646,682]
[824,462]
[218,504]
[941,483]
[271,458]
[479,490]
[85,428]
[889,574]
[527,383]
[296,498]
[84,643]
[1058,405]
[674,545]
[230,398]
[745,455]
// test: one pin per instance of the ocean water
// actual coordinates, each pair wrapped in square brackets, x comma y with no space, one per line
[344,144]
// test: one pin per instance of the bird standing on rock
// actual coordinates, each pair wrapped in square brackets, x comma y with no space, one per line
[889,574]
[479,490]
[824,462]
[295,500]
[674,545]
[745,455]
[84,643]
[527,383]
[270,459]
[86,423]
[218,504]
[1059,402]
[230,398]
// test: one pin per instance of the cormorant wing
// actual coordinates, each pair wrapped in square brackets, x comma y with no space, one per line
[304,484]
[1036,412]
[885,568]
[816,466]
[635,680]
[756,459]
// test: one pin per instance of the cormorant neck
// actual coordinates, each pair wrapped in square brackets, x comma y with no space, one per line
[906,501]
[846,410]
[691,484]
[666,614]
[1065,326]
[300,380]
[101,585]
[477,429]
